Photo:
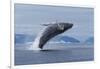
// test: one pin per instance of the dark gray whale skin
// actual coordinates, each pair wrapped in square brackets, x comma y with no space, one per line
[52,30]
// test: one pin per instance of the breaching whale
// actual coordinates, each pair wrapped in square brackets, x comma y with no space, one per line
[53,30]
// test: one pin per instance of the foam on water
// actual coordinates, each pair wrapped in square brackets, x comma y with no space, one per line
[35,45]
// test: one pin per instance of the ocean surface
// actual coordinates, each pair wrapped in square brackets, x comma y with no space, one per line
[53,53]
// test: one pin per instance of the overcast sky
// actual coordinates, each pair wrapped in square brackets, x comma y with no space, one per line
[28,19]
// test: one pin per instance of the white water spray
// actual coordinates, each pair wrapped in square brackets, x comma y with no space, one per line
[35,45]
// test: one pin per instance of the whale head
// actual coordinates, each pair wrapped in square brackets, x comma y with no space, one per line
[64,26]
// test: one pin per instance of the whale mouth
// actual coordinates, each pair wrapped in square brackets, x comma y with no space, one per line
[70,25]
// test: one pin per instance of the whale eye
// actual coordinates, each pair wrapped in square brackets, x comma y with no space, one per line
[61,27]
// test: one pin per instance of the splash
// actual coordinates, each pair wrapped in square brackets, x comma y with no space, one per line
[35,45]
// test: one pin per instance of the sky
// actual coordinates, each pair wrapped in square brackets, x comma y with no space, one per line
[29,17]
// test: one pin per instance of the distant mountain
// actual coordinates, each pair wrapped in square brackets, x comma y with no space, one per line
[65,39]
[90,40]
[22,38]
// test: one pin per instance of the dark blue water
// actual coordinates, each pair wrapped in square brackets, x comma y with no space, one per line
[54,54]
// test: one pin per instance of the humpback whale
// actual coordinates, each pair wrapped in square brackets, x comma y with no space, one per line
[51,31]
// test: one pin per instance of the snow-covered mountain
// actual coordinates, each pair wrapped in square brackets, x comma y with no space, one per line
[22,38]
[90,40]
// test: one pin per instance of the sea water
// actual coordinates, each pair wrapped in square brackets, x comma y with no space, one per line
[53,53]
